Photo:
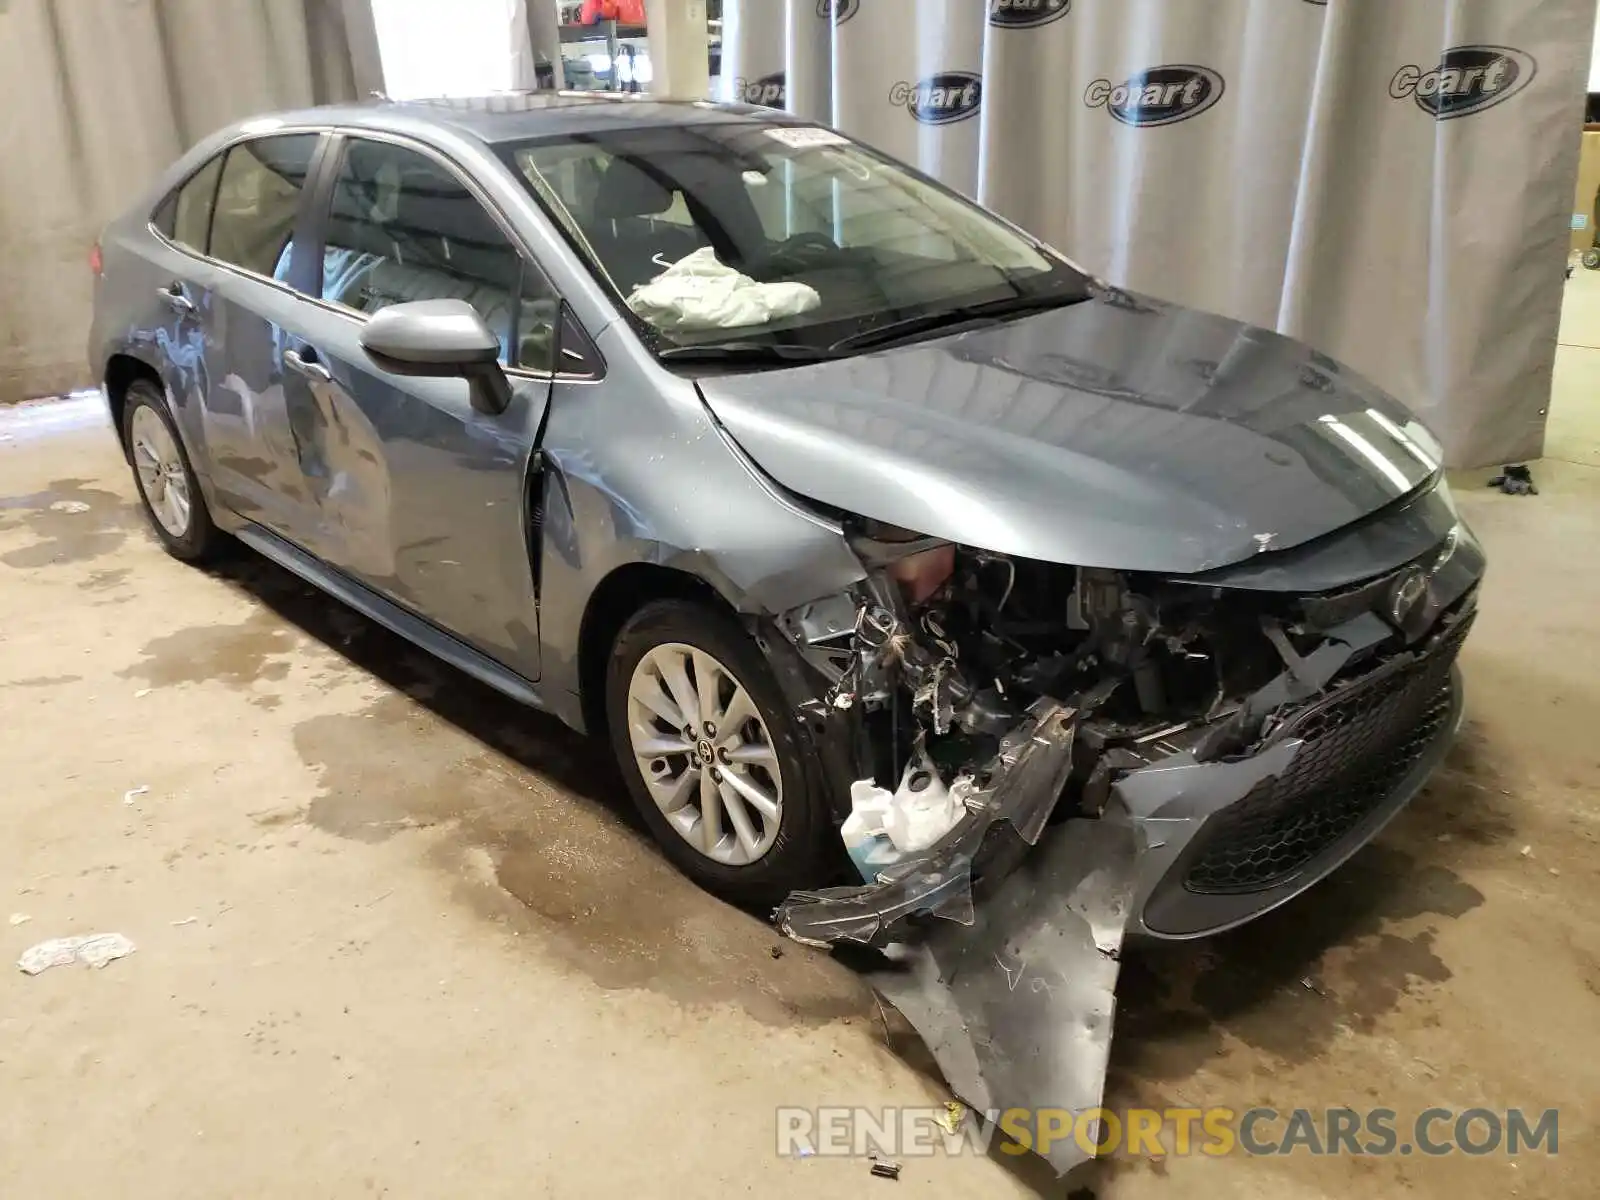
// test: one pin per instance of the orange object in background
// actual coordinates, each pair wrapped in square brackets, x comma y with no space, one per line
[629,12]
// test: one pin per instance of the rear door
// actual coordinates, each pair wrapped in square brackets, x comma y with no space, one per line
[243,214]
[420,496]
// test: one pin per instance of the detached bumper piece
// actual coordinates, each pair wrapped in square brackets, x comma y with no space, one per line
[1031,770]
[1017,1007]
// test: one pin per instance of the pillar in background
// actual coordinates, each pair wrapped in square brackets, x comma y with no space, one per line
[535,42]
[679,49]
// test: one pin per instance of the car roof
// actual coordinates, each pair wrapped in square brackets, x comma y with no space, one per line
[516,116]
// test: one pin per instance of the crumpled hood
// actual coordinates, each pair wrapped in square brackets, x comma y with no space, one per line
[1120,432]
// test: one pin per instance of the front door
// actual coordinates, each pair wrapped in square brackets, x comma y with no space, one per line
[422,497]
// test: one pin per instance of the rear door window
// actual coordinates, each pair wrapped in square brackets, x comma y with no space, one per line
[185,216]
[404,227]
[258,203]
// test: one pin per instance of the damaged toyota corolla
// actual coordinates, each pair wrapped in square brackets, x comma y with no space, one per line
[936,596]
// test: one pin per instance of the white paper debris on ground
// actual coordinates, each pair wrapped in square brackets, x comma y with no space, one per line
[69,506]
[142,693]
[185,921]
[20,918]
[96,949]
[698,292]
[132,794]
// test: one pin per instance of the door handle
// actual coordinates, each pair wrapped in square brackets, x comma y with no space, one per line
[176,300]
[311,369]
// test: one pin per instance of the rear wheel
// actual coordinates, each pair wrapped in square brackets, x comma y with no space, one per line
[713,757]
[167,485]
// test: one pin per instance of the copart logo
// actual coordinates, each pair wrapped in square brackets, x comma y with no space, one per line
[941,99]
[1159,96]
[768,91]
[838,11]
[1468,79]
[1026,14]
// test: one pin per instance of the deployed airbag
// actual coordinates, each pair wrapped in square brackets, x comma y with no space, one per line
[699,292]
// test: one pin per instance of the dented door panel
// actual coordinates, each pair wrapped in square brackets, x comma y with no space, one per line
[419,495]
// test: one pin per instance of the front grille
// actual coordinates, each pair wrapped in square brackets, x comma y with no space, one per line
[1359,743]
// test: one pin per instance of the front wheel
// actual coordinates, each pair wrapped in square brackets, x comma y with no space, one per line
[713,757]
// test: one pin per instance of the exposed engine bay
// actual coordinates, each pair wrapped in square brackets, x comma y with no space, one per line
[1040,757]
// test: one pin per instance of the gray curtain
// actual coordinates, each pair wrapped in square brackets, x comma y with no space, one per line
[1390,181]
[101,95]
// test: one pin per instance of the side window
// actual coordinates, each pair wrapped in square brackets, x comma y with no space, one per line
[258,202]
[185,216]
[403,227]
[166,214]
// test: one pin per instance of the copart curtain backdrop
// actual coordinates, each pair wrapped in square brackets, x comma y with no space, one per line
[1389,181]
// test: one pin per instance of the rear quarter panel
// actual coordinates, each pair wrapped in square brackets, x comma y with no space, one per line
[130,319]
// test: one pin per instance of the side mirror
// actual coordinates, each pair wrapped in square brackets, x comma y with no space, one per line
[440,338]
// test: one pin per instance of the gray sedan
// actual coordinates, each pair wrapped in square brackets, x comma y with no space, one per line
[894,553]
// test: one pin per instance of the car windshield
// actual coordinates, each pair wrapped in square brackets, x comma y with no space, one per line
[789,240]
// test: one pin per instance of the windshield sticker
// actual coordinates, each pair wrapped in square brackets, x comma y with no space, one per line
[803,137]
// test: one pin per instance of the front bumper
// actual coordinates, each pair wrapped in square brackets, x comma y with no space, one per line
[1250,842]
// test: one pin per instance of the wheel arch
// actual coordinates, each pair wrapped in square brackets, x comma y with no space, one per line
[122,371]
[620,594]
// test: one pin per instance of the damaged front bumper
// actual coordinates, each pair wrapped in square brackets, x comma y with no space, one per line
[1000,942]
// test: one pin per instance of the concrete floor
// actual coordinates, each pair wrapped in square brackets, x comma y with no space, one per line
[431,954]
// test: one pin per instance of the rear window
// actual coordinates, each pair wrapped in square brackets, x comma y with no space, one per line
[258,203]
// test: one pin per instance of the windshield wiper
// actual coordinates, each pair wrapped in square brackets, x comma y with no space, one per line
[907,327]
[753,352]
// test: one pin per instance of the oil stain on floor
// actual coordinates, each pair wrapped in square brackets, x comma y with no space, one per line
[530,821]
[239,655]
[70,521]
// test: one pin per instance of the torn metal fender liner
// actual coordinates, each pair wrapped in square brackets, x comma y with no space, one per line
[1025,780]
[1017,1007]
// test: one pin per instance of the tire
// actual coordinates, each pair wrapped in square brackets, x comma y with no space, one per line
[196,537]
[800,837]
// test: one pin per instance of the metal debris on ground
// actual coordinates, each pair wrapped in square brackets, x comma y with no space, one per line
[885,1169]
[69,506]
[775,951]
[1515,479]
[129,796]
[20,918]
[142,693]
[185,921]
[954,1110]
[95,949]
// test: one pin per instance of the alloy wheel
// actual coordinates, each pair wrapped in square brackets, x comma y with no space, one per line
[159,466]
[705,753]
